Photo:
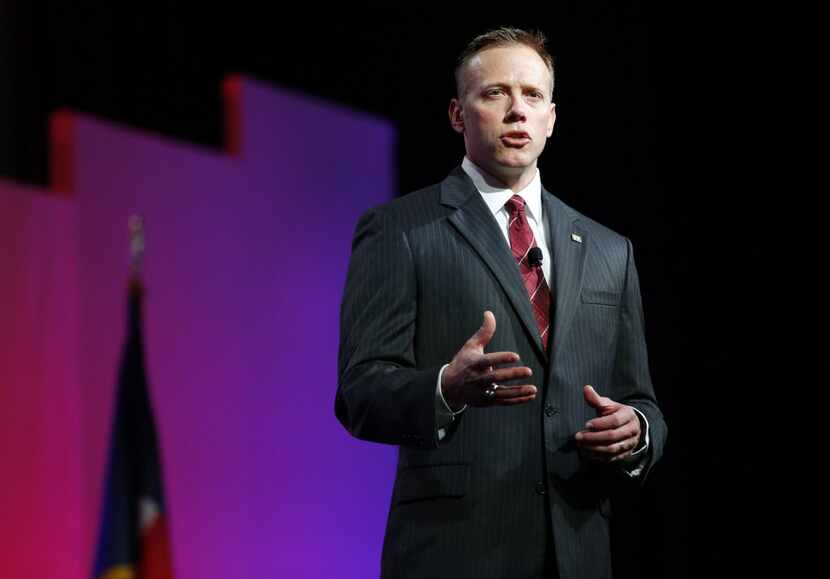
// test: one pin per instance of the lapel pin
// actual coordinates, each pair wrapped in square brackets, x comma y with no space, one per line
[577,238]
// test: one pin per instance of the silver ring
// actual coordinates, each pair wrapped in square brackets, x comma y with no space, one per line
[491,391]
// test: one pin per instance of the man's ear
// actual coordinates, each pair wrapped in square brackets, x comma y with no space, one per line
[552,118]
[456,116]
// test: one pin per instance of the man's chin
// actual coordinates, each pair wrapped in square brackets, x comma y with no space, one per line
[505,168]
[516,163]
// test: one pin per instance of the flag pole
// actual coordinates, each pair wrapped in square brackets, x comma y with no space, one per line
[136,228]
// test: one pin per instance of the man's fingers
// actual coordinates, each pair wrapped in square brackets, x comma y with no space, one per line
[591,396]
[611,444]
[601,404]
[612,450]
[605,458]
[504,396]
[624,415]
[511,395]
[606,437]
[485,333]
[494,359]
[515,401]
[510,392]
[504,374]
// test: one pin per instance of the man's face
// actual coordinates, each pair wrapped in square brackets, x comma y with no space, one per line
[505,113]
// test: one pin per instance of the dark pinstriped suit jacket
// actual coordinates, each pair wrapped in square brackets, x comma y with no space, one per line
[423,270]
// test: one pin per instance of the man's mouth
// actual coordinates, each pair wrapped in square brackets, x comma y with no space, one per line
[516,139]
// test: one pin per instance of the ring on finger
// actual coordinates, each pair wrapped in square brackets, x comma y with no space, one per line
[491,391]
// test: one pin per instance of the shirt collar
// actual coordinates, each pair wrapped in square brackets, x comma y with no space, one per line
[496,197]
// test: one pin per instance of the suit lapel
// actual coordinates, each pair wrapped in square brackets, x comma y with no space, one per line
[476,224]
[568,261]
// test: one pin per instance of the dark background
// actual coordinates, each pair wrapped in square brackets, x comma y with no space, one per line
[661,135]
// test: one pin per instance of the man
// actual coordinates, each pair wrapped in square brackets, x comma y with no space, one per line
[496,335]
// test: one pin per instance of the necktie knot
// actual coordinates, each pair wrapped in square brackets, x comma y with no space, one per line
[515,206]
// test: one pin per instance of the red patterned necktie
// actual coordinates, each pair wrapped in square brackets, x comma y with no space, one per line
[521,241]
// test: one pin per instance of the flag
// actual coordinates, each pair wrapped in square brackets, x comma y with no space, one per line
[133,534]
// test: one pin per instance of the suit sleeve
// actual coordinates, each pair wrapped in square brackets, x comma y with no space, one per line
[631,378]
[382,396]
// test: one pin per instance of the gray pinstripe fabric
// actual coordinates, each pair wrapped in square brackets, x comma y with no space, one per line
[423,270]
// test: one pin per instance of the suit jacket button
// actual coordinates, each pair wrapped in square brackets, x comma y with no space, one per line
[550,410]
[540,488]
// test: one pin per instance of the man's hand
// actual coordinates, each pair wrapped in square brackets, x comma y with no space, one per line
[472,373]
[613,435]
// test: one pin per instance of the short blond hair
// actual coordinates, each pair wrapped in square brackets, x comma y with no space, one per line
[504,36]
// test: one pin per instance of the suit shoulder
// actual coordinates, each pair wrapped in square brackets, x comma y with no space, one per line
[413,208]
[602,234]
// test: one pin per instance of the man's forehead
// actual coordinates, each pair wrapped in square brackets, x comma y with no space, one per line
[507,61]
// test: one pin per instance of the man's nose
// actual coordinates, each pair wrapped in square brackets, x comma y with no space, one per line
[517,110]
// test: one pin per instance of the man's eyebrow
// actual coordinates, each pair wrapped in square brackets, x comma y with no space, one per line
[502,84]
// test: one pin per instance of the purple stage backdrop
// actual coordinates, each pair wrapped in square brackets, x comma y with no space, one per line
[42,523]
[244,269]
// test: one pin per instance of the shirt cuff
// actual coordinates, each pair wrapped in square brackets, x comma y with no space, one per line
[444,415]
[635,462]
